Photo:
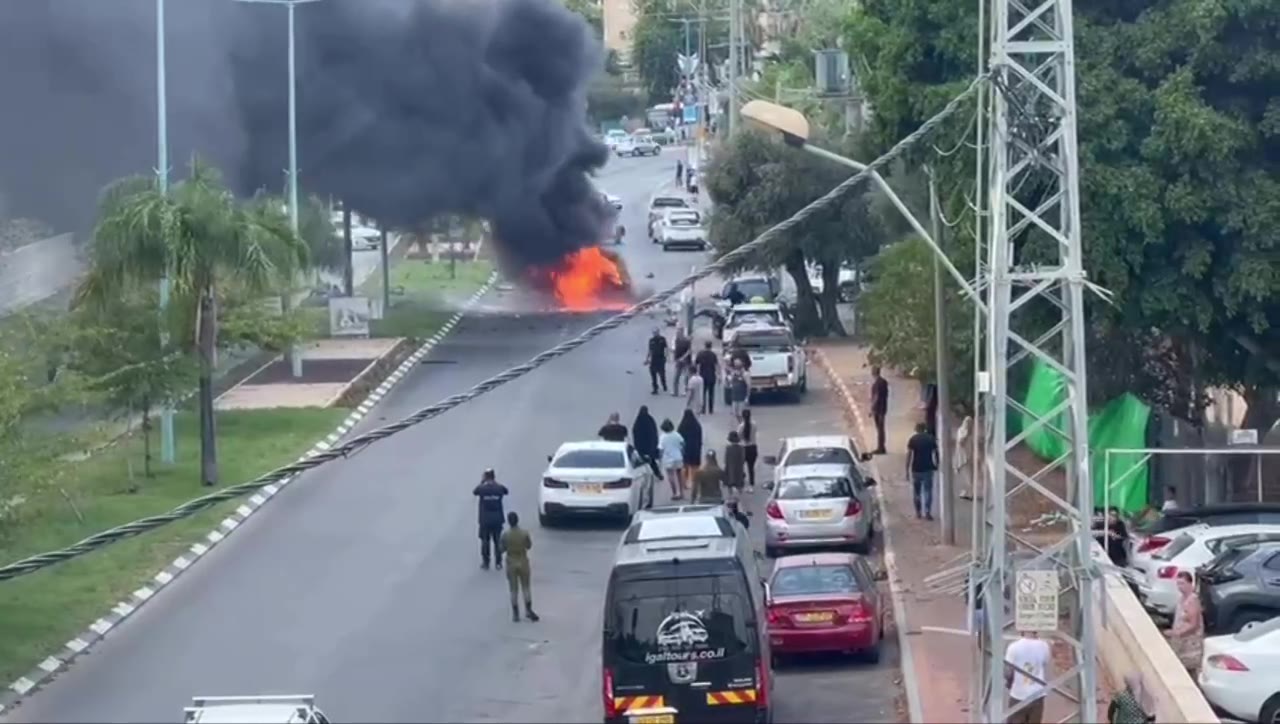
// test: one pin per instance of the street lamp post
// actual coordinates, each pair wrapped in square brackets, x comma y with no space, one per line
[167,451]
[794,128]
[295,355]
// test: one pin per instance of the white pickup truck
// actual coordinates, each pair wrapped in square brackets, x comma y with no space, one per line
[778,364]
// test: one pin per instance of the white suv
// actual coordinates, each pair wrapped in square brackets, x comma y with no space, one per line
[596,479]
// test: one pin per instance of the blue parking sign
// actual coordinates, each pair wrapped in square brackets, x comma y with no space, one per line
[690,114]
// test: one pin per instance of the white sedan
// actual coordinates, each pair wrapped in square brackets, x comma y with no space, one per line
[594,479]
[1190,550]
[1240,673]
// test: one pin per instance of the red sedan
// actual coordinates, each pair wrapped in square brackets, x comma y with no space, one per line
[825,602]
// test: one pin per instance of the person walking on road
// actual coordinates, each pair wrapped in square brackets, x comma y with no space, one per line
[644,437]
[679,172]
[656,360]
[879,406]
[613,430]
[1027,669]
[682,352]
[671,448]
[738,389]
[691,431]
[708,482]
[517,544]
[751,453]
[490,492]
[922,463]
[694,393]
[735,464]
[708,366]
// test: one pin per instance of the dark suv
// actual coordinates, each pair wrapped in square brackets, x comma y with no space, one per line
[1239,586]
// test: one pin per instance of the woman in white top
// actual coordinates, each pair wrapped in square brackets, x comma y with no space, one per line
[671,450]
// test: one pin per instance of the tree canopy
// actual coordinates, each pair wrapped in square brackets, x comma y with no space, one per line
[1179,132]
[757,182]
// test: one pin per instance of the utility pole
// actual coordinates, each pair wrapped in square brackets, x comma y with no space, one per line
[167,448]
[946,483]
[348,273]
[1032,133]
[386,272]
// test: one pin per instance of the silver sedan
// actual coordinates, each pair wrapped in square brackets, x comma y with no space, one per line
[806,510]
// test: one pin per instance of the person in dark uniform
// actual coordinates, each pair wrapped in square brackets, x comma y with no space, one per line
[516,543]
[679,173]
[879,406]
[613,430]
[735,296]
[683,367]
[490,492]
[656,360]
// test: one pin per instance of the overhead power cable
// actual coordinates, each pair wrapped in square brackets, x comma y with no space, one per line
[358,443]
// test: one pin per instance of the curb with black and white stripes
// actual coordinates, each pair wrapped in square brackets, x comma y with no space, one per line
[52,665]
[915,710]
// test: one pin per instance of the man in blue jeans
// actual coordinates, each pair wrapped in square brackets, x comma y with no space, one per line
[922,463]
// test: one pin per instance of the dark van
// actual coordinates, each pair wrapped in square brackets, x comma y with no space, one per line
[684,625]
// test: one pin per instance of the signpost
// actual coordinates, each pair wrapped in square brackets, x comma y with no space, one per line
[1037,601]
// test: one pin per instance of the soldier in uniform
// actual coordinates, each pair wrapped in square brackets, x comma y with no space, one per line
[490,492]
[516,543]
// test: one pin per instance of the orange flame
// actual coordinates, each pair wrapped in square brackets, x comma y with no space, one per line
[585,279]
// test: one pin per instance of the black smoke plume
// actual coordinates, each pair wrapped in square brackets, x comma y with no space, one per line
[406,108]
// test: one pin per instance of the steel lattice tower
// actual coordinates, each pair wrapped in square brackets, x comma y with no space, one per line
[1034,282]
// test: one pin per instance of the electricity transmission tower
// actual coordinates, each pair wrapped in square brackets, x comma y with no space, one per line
[1033,282]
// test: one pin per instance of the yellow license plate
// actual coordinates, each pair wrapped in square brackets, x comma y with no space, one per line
[815,514]
[819,617]
[592,489]
[654,719]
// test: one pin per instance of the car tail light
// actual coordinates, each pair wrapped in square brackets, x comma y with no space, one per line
[762,683]
[1226,662]
[773,511]
[1154,543]
[779,619]
[791,363]
[1167,572]
[852,509]
[553,483]
[606,683]
[623,483]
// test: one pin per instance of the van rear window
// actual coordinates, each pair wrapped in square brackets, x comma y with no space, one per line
[670,620]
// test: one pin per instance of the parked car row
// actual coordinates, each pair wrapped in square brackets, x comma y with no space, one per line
[1233,551]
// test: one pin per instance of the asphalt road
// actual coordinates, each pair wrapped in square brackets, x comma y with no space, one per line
[361,584]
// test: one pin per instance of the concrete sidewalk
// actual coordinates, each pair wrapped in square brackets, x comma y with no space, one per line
[939,653]
[331,367]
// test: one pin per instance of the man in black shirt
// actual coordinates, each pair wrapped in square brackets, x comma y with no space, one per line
[735,296]
[922,463]
[613,430]
[657,360]
[708,366]
[490,492]
[879,406]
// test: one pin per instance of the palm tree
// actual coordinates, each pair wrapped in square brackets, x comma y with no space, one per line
[204,239]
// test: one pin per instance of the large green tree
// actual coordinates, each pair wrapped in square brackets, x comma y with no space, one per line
[1179,134]
[756,182]
[206,241]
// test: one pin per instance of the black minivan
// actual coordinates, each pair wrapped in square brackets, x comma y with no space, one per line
[684,636]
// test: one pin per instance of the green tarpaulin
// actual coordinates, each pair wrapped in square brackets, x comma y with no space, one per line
[1121,424]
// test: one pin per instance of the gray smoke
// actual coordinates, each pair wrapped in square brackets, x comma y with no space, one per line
[406,109]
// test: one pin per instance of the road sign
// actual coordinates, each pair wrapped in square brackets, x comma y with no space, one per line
[1037,601]
[690,114]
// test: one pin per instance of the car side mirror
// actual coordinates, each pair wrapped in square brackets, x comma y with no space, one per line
[880,574]
[768,485]
[866,457]
[770,459]
[549,458]
[869,482]
[717,295]
[768,594]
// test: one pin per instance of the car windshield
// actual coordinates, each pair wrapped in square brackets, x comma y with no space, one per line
[764,340]
[671,620]
[814,488]
[813,580]
[739,318]
[669,203]
[752,288]
[819,456]
[596,459]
